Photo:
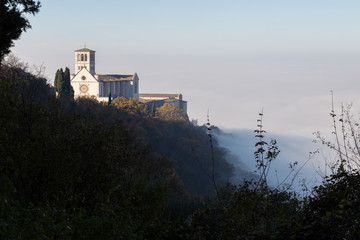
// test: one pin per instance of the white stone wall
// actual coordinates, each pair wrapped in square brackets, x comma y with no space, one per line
[85,85]
[88,84]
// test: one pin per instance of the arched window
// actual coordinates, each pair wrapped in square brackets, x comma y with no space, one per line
[78,57]
[82,57]
[85,57]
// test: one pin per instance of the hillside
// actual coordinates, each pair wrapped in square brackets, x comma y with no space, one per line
[89,159]
[83,170]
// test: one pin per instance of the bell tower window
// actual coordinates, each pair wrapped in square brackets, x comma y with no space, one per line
[85,58]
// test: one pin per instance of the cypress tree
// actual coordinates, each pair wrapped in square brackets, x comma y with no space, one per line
[60,81]
[66,81]
[153,109]
[109,101]
[56,79]
[71,91]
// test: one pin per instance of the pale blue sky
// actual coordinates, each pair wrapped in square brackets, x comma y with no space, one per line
[233,57]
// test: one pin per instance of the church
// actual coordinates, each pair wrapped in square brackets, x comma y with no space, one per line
[87,83]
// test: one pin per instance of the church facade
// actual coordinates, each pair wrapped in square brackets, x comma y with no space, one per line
[87,83]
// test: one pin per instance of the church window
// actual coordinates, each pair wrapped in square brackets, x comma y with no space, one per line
[83,77]
[82,57]
[78,57]
[135,87]
[84,88]
[85,57]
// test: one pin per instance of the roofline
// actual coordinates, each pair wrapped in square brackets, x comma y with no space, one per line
[114,79]
[75,74]
[84,50]
[160,94]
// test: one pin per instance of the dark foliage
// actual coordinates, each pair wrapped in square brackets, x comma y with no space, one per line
[66,174]
[62,83]
[185,144]
[13,21]
[82,170]
[334,210]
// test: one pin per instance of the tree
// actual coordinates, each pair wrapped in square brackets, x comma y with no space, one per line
[72,174]
[62,83]
[169,111]
[129,105]
[245,212]
[144,109]
[13,21]
[59,79]
[109,100]
[66,81]
[333,212]
[67,88]
[56,79]
[153,109]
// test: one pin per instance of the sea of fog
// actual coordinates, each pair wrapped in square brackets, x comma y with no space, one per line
[312,158]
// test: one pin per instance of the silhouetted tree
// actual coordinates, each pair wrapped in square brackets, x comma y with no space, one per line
[66,81]
[62,83]
[109,100]
[13,21]
[59,80]
[56,79]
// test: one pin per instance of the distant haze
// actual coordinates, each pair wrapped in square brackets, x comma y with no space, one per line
[232,57]
[309,170]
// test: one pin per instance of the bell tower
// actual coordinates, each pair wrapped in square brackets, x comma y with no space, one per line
[85,58]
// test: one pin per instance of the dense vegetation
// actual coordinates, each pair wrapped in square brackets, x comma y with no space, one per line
[62,83]
[70,168]
[83,170]
[171,135]
[66,173]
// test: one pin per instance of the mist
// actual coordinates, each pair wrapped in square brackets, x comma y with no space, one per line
[306,174]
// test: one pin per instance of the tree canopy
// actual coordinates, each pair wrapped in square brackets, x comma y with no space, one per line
[90,171]
[62,83]
[67,174]
[169,112]
[13,21]
[129,105]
